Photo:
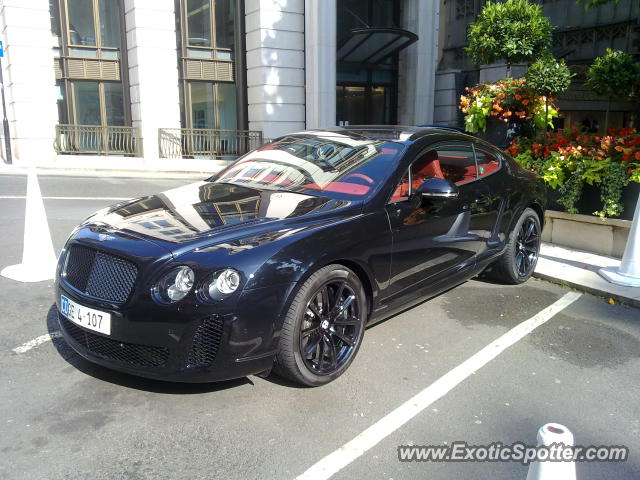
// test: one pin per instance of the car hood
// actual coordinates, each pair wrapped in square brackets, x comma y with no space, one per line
[205,213]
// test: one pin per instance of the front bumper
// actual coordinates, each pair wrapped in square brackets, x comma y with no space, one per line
[195,343]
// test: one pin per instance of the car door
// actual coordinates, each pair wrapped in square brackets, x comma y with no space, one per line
[492,201]
[433,239]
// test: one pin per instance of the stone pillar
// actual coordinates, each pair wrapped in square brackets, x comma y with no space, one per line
[275,66]
[25,29]
[320,62]
[446,98]
[153,72]
[418,62]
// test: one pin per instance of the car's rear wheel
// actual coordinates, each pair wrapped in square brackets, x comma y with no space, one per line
[323,328]
[517,263]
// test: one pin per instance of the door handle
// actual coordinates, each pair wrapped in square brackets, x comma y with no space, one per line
[483,199]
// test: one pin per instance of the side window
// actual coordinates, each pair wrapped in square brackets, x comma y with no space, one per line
[457,163]
[487,162]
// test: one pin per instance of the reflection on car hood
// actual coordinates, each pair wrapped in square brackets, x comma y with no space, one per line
[213,211]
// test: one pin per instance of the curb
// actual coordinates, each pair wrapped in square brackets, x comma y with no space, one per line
[629,301]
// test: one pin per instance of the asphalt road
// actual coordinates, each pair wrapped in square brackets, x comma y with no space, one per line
[64,418]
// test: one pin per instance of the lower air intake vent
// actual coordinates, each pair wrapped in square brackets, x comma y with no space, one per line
[205,342]
[110,349]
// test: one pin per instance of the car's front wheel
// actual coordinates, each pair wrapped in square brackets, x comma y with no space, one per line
[520,257]
[323,328]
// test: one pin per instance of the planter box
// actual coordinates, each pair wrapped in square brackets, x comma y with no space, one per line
[590,202]
[501,134]
[606,236]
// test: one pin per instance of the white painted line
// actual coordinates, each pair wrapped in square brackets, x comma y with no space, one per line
[25,347]
[388,424]
[22,197]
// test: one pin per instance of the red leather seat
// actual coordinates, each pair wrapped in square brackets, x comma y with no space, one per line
[426,167]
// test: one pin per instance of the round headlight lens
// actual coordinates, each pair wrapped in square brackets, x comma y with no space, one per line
[224,283]
[174,285]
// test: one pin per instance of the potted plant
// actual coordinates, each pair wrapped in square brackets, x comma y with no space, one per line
[509,106]
[516,31]
[613,76]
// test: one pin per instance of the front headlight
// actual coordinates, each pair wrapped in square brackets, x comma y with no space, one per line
[222,284]
[174,286]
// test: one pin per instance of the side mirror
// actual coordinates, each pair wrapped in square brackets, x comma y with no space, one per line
[437,188]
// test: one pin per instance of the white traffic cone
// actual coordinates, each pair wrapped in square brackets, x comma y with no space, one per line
[628,274]
[548,435]
[38,257]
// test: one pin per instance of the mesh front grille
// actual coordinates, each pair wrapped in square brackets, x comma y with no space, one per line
[206,341]
[128,353]
[100,274]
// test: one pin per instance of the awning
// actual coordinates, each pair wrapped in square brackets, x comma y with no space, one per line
[373,45]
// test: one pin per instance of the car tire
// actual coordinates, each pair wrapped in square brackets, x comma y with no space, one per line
[321,335]
[519,259]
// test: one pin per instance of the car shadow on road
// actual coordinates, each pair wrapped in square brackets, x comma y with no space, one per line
[123,379]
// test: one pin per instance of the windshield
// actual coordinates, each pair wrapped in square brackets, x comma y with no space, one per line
[336,164]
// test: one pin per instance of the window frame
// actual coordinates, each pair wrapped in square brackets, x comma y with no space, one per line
[65,31]
[424,151]
[497,155]
[213,49]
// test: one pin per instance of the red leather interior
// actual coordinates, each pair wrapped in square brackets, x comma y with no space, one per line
[340,187]
[426,167]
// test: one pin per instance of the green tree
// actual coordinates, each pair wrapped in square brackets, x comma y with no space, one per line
[515,31]
[548,77]
[613,76]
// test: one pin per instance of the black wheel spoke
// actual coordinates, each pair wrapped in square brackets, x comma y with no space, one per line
[338,295]
[311,346]
[519,260]
[326,305]
[347,301]
[308,331]
[347,321]
[333,356]
[343,337]
[314,310]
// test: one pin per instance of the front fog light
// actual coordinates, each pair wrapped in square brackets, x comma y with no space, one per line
[224,283]
[174,285]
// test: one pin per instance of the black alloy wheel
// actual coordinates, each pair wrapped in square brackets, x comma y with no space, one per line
[323,328]
[330,328]
[518,262]
[527,247]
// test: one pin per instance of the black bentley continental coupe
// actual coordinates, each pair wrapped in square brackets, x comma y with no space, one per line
[281,260]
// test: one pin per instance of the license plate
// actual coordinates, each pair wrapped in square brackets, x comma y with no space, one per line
[85,317]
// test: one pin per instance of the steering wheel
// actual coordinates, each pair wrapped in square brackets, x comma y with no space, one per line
[359,176]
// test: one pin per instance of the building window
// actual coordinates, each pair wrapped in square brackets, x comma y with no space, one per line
[206,62]
[91,74]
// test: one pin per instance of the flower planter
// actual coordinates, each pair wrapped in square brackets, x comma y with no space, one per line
[501,134]
[590,202]
[604,236]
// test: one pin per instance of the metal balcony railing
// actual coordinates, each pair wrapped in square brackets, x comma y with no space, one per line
[97,140]
[207,143]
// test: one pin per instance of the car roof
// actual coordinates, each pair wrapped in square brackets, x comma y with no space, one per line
[394,133]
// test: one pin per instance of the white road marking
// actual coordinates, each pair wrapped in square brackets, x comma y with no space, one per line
[25,347]
[22,197]
[388,424]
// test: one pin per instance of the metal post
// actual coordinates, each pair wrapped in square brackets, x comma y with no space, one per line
[5,121]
